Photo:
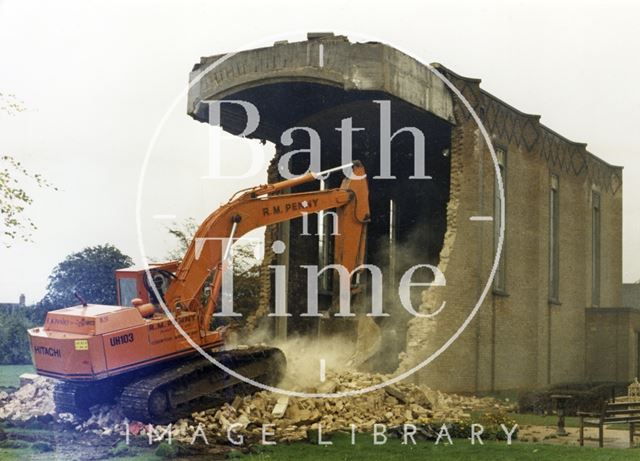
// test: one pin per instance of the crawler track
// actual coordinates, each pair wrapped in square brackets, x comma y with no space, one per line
[176,390]
[72,397]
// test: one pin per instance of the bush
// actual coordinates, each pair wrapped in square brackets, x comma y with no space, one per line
[121,449]
[585,397]
[491,423]
[167,450]
[234,454]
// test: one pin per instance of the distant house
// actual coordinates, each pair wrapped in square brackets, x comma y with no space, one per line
[631,295]
[11,307]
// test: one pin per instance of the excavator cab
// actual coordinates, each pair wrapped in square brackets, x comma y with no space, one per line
[130,285]
[133,282]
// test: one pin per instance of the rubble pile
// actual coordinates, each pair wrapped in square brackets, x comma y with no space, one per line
[104,420]
[292,417]
[32,400]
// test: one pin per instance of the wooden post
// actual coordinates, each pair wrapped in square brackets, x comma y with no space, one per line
[632,430]
[581,430]
[601,434]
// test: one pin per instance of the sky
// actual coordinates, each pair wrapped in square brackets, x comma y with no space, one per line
[103,84]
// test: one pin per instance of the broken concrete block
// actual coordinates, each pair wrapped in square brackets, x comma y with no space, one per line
[237,402]
[27,378]
[397,393]
[281,407]
[328,387]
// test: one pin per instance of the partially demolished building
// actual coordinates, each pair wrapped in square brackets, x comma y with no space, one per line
[552,312]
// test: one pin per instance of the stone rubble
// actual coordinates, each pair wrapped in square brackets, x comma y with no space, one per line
[32,400]
[293,417]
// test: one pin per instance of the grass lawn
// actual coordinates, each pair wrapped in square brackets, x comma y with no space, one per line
[9,374]
[22,454]
[364,449]
[461,449]
[540,420]
[15,453]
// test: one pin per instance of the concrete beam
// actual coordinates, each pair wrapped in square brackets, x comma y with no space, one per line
[325,59]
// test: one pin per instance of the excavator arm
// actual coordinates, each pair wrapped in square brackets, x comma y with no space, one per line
[261,206]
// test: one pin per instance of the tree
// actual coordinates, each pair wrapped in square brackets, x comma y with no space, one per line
[246,270]
[10,105]
[13,197]
[184,234]
[14,342]
[90,273]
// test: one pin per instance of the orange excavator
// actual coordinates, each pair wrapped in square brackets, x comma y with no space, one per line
[133,352]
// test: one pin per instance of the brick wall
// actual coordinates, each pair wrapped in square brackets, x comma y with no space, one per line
[519,339]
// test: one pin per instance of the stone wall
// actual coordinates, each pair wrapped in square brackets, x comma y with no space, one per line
[519,339]
[612,344]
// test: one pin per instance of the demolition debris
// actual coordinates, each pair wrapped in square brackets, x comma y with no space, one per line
[283,418]
[33,400]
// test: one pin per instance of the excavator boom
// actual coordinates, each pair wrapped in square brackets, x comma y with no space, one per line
[253,209]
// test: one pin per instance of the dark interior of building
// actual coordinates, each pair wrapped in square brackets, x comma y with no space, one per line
[408,216]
